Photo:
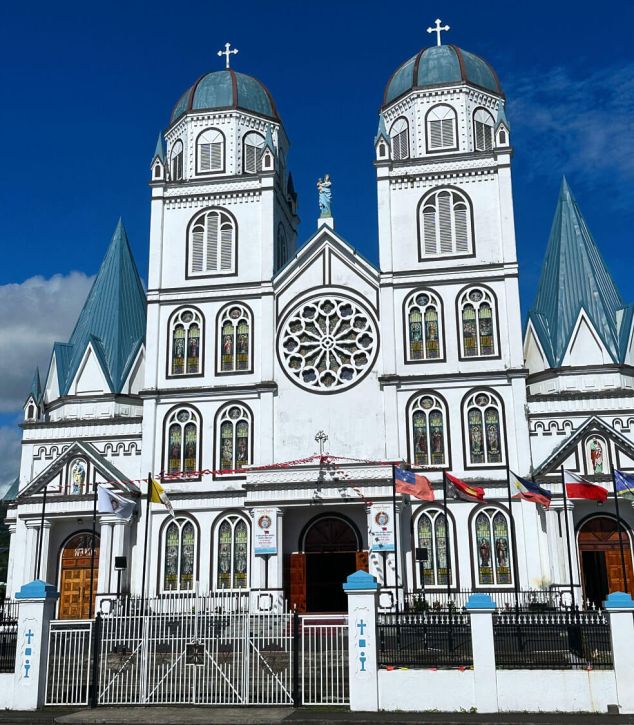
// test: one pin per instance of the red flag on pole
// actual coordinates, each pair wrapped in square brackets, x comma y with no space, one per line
[463,490]
[577,487]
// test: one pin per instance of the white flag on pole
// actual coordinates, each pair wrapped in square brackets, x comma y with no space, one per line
[111,502]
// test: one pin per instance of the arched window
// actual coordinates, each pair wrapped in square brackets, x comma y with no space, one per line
[176,161]
[441,129]
[399,134]
[492,547]
[182,432]
[281,246]
[445,225]
[484,429]
[234,344]
[185,343]
[232,553]
[212,243]
[423,323]
[477,315]
[233,437]
[157,171]
[483,125]
[252,147]
[180,544]
[77,477]
[433,534]
[210,151]
[428,426]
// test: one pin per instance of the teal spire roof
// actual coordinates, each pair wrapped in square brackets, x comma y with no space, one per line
[381,131]
[159,150]
[268,140]
[574,278]
[502,117]
[112,319]
[36,387]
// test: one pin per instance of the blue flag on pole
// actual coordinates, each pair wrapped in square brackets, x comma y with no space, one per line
[624,483]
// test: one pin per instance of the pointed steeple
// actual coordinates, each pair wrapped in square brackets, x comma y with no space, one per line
[268,140]
[574,277]
[159,151]
[36,386]
[503,119]
[112,319]
[382,131]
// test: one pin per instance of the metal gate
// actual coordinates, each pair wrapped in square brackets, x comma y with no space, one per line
[324,659]
[69,662]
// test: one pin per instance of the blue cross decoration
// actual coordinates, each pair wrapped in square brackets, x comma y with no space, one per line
[361,625]
[28,651]
[29,635]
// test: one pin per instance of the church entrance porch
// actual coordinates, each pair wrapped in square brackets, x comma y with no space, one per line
[600,559]
[77,568]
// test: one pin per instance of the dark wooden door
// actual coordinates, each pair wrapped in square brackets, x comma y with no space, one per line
[76,569]
[297,588]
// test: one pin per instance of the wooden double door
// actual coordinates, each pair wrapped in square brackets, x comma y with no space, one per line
[78,567]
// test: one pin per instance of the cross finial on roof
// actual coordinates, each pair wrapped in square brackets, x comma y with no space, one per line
[321,438]
[227,53]
[438,30]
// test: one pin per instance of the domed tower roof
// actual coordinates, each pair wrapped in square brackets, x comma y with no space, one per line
[226,89]
[441,65]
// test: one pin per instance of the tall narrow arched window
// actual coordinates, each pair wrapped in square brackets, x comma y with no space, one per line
[210,151]
[232,553]
[233,437]
[180,544]
[212,243]
[433,534]
[252,148]
[281,246]
[176,161]
[428,431]
[185,343]
[483,125]
[484,429]
[492,546]
[477,316]
[399,135]
[182,436]
[441,129]
[423,327]
[445,224]
[235,339]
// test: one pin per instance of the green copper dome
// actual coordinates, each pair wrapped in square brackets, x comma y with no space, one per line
[226,89]
[441,65]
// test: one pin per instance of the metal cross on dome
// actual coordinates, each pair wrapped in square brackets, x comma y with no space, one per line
[321,438]
[438,30]
[228,53]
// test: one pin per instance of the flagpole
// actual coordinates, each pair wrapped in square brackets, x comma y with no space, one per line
[444,501]
[620,529]
[41,536]
[92,554]
[572,586]
[147,528]
[513,552]
[395,527]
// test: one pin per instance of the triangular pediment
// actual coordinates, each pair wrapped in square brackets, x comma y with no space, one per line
[91,377]
[585,346]
[106,471]
[534,354]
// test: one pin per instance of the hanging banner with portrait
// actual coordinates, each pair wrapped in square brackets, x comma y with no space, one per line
[381,527]
[265,531]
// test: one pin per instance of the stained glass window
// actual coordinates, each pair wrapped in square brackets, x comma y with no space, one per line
[478,323]
[186,342]
[484,429]
[179,556]
[182,441]
[234,442]
[429,436]
[235,339]
[432,536]
[493,548]
[423,317]
[232,559]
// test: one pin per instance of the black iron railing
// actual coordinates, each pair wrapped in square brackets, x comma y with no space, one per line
[424,640]
[8,635]
[552,640]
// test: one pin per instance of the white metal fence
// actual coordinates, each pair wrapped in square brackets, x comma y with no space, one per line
[69,662]
[324,660]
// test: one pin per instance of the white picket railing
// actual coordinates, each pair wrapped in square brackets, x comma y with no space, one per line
[69,662]
[324,657]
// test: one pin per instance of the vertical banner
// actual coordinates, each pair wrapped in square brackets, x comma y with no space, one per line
[265,531]
[381,527]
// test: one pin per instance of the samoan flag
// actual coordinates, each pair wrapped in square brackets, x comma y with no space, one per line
[415,484]
[529,490]
[623,483]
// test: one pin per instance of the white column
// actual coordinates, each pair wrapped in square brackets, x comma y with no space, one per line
[362,591]
[105,553]
[556,532]
[119,548]
[44,545]
[30,562]
[620,608]
[481,608]
[12,546]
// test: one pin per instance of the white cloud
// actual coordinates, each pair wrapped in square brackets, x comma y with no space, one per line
[34,315]
[9,456]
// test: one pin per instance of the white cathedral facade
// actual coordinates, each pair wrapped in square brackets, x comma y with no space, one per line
[247,343]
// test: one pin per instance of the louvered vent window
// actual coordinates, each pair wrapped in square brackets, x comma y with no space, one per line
[176,161]
[483,130]
[441,129]
[212,244]
[210,151]
[399,134]
[445,224]
[253,147]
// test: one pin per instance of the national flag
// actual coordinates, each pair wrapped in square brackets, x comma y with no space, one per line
[623,483]
[460,489]
[530,491]
[111,502]
[415,484]
[158,495]
[577,487]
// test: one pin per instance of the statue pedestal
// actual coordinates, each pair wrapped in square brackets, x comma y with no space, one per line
[325,221]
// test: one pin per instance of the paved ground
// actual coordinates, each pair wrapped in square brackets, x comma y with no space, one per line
[303,716]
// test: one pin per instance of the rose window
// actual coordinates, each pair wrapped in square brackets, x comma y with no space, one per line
[328,343]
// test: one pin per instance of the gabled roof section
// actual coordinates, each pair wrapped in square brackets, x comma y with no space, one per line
[159,151]
[574,277]
[381,131]
[112,319]
[36,387]
[502,117]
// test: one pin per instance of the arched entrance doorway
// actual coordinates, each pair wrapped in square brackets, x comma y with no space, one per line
[600,558]
[74,578]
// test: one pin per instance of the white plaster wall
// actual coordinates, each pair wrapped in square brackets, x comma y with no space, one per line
[425,690]
[7,685]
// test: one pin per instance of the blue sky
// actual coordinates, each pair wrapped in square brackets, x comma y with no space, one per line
[87,88]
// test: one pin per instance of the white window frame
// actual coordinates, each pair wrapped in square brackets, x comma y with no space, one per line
[281,246]
[469,404]
[483,130]
[416,405]
[399,139]
[491,512]
[489,298]
[248,167]
[177,162]
[172,419]
[181,523]
[175,320]
[441,123]
[226,316]
[412,303]
[445,223]
[433,513]
[210,151]
[212,244]
[234,519]
[224,416]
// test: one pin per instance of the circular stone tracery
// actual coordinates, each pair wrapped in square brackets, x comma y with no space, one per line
[328,343]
